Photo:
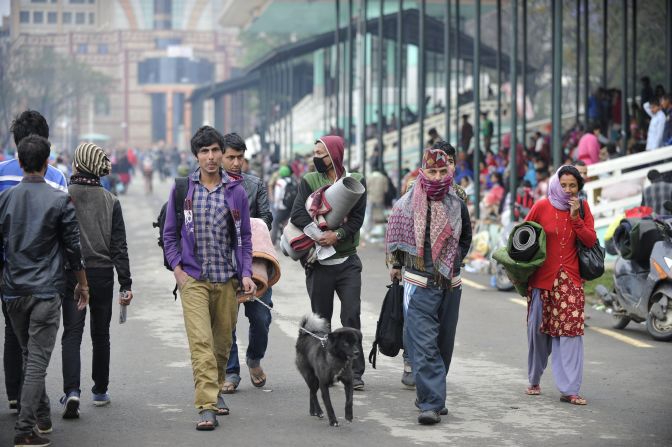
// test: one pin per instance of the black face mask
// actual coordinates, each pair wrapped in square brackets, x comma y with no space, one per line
[320,165]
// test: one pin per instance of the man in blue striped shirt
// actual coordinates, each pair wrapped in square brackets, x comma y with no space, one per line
[11,174]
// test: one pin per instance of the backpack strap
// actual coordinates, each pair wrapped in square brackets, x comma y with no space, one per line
[181,190]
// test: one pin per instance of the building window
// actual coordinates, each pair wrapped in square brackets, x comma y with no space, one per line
[92,2]
[38,1]
[82,48]
[102,48]
[80,18]
[67,18]
[76,2]
[92,18]
[38,17]
[24,17]
[52,17]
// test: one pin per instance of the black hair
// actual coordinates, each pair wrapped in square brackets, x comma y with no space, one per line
[29,122]
[235,142]
[645,79]
[571,170]
[432,131]
[543,170]
[579,163]
[593,126]
[655,101]
[527,184]
[33,152]
[206,136]
[653,175]
[611,148]
[445,147]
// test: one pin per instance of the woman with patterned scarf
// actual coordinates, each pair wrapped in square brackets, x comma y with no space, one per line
[555,320]
[429,234]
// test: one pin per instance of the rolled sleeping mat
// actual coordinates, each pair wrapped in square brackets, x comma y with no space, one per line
[265,265]
[290,235]
[524,243]
[342,197]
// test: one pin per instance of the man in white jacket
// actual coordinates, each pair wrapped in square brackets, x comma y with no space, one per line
[654,140]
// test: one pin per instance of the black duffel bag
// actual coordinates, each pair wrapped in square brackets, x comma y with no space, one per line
[591,260]
[390,327]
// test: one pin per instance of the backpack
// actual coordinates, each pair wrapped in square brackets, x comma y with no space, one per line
[390,327]
[291,191]
[524,202]
[181,188]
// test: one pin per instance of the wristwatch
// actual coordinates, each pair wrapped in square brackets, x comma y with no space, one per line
[340,234]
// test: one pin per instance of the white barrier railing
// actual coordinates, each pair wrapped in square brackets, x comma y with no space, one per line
[612,175]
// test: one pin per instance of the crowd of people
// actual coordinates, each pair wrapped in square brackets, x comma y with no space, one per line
[76,238]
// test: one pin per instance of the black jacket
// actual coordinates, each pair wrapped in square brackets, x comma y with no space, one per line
[39,234]
[257,197]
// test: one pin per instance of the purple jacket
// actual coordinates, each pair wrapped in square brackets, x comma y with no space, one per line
[184,255]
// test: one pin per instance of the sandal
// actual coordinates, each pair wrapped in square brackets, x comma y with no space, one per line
[574,400]
[230,384]
[257,377]
[533,390]
[207,421]
[222,408]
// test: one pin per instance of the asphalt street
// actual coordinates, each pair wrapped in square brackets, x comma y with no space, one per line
[627,377]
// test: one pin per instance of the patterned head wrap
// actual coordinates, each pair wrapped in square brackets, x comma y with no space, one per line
[91,159]
[434,159]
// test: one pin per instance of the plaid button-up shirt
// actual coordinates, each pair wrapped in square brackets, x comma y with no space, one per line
[656,194]
[212,232]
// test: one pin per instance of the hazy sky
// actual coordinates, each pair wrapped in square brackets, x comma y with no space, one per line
[4,8]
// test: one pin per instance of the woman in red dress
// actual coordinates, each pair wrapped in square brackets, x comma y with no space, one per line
[555,301]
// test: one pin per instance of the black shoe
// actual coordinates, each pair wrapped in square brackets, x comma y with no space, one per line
[70,404]
[444,411]
[14,404]
[44,426]
[429,417]
[358,384]
[31,440]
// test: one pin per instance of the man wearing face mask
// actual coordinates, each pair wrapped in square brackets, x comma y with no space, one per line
[341,273]
[429,234]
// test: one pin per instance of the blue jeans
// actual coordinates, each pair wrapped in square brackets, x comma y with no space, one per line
[260,322]
[429,338]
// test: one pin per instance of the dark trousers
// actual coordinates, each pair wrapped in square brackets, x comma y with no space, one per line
[35,322]
[260,322]
[346,280]
[430,325]
[101,284]
[12,359]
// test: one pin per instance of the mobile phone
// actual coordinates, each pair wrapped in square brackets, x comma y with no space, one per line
[122,310]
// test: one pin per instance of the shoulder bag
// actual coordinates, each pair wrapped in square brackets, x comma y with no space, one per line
[591,260]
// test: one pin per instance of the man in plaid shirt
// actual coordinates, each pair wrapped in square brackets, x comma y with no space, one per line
[212,258]
[658,192]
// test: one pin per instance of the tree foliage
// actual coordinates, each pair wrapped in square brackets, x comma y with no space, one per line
[47,81]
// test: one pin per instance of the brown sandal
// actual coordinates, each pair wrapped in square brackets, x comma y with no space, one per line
[533,390]
[574,400]
[257,377]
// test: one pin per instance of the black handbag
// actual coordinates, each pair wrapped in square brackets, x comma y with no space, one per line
[591,260]
[390,328]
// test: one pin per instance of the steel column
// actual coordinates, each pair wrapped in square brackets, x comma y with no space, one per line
[605,22]
[291,110]
[421,78]
[351,75]
[380,86]
[477,102]
[634,52]
[624,74]
[447,67]
[577,86]
[457,73]
[523,139]
[400,87]
[557,83]
[513,169]
[337,71]
[499,75]
[668,45]
[362,85]
[586,67]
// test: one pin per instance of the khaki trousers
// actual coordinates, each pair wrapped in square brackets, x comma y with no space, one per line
[210,313]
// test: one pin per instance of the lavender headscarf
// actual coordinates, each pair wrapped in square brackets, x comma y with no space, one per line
[558,198]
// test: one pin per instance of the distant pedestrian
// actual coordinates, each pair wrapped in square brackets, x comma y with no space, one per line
[39,235]
[103,240]
[556,297]
[210,259]
[487,130]
[429,235]
[588,149]
[284,194]
[11,174]
[654,139]
[466,133]
[657,193]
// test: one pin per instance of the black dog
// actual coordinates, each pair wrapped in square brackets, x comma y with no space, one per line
[325,360]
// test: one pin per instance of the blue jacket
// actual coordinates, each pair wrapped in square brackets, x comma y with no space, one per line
[11,174]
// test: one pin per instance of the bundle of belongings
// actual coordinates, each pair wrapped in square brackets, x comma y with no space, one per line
[524,254]
[634,239]
[265,265]
[328,206]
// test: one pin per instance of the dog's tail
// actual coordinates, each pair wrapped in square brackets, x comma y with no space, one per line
[314,323]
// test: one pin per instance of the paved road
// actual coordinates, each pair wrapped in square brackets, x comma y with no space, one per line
[628,383]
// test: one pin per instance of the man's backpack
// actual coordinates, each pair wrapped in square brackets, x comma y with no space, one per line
[390,328]
[181,189]
[291,191]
